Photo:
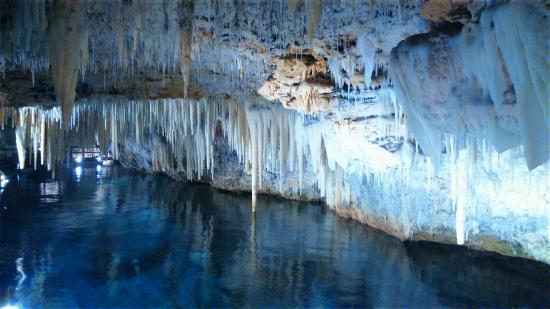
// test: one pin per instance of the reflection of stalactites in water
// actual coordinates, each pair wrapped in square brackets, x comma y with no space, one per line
[135,264]
[41,270]
[112,274]
[252,245]
[208,234]
[50,192]
[21,277]
[67,39]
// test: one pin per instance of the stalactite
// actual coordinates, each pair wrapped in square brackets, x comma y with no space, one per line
[292,4]
[263,138]
[313,8]
[67,36]
[304,155]
[186,41]
[20,147]
[487,82]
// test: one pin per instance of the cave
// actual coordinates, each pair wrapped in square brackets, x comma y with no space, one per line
[274,153]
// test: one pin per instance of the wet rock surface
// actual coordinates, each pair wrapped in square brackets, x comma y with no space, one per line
[428,141]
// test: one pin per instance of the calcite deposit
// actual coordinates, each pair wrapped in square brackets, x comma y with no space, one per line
[426,119]
[301,82]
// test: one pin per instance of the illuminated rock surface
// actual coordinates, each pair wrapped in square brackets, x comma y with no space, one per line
[443,138]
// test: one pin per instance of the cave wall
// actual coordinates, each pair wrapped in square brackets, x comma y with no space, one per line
[423,119]
[363,168]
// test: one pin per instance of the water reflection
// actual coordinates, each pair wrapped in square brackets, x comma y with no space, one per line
[140,241]
[78,172]
[50,191]
[3,180]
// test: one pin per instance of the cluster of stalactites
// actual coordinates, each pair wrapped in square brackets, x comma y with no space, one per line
[271,139]
[489,82]
[356,73]
[122,35]
[34,128]
[334,160]
[73,37]
[127,37]
[23,41]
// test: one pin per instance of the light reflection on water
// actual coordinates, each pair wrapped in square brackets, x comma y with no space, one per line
[113,238]
[49,191]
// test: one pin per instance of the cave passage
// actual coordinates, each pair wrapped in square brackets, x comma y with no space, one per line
[274,153]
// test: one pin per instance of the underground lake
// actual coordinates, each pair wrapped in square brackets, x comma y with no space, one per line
[105,237]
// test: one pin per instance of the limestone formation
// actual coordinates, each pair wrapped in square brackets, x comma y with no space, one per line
[445,10]
[67,42]
[300,82]
[429,128]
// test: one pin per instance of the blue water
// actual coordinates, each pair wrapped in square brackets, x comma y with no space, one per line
[118,239]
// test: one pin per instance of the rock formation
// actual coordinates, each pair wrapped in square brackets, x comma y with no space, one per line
[300,82]
[426,119]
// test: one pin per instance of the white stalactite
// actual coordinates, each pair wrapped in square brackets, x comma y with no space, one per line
[474,185]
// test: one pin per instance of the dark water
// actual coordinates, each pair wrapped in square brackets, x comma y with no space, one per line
[131,240]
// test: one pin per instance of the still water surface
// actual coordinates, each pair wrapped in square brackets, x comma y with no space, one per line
[114,238]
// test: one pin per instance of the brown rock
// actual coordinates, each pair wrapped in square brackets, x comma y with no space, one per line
[443,10]
[301,83]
